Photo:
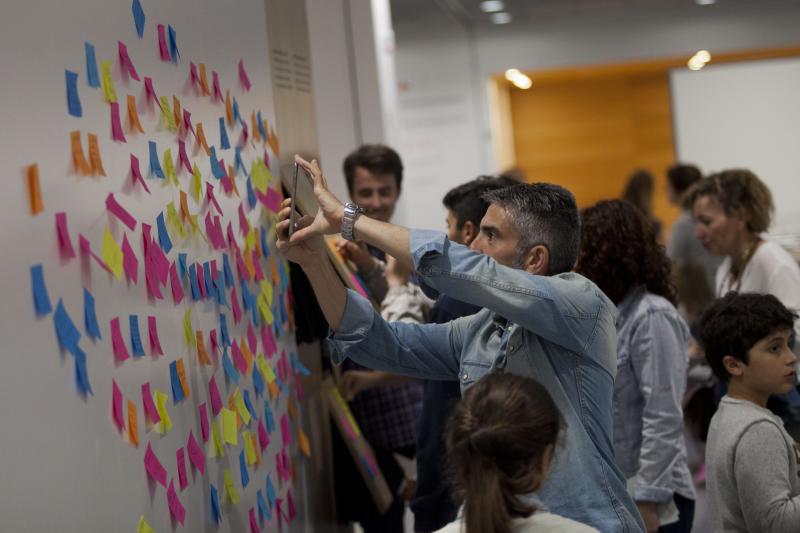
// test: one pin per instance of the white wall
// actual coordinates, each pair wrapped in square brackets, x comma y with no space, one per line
[444,71]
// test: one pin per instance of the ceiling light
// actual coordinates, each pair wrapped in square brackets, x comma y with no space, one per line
[522,82]
[512,73]
[492,6]
[705,2]
[695,63]
[703,56]
[501,18]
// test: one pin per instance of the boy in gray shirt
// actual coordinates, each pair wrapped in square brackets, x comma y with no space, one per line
[753,479]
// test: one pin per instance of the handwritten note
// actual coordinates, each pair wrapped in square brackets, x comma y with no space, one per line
[150,412]
[154,467]
[73,101]
[92,77]
[196,456]
[113,207]
[117,342]
[109,91]
[95,161]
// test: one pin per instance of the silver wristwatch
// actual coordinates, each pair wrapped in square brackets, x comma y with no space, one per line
[351,212]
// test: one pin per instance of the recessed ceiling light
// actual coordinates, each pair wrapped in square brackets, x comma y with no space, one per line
[695,63]
[501,18]
[705,2]
[703,56]
[512,73]
[492,6]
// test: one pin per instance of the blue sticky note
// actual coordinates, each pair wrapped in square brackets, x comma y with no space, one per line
[251,194]
[226,269]
[268,419]
[209,282]
[173,44]
[41,300]
[258,385]
[193,282]
[281,386]
[92,76]
[66,332]
[182,264]
[246,296]
[224,143]
[254,318]
[155,164]
[243,470]
[219,283]
[236,115]
[298,366]
[177,390]
[261,129]
[81,374]
[264,243]
[282,273]
[90,316]
[216,168]
[163,235]
[215,514]
[248,403]
[270,492]
[73,102]
[138,18]
[227,364]
[136,339]
[223,329]
[239,162]
[263,508]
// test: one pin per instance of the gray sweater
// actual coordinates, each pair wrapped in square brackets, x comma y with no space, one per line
[753,479]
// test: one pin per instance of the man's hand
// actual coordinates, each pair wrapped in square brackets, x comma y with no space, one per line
[306,252]
[649,515]
[329,216]
[357,252]
[355,381]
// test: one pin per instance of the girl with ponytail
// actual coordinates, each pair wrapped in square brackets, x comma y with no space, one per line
[500,441]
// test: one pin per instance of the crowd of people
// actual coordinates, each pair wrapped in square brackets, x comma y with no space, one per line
[537,360]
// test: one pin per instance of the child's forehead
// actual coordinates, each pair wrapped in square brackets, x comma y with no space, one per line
[781,332]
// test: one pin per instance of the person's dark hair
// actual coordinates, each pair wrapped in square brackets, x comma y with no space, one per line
[737,189]
[466,201]
[733,324]
[377,158]
[619,251]
[682,176]
[639,191]
[496,438]
[542,214]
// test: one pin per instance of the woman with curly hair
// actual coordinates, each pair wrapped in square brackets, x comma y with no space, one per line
[620,254]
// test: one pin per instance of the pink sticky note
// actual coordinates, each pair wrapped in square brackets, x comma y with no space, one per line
[155,343]
[244,225]
[253,522]
[149,92]
[176,508]
[175,281]
[252,341]
[193,73]
[183,157]
[290,505]
[129,261]
[211,198]
[243,76]
[154,467]
[279,506]
[64,240]
[237,311]
[117,341]
[187,121]
[213,393]
[162,43]
[210,231]
[231,236]
[136,174]
[181,458]
[113,207]
[125,61]
[201,280]
[203,422]
[241,267]
[116,126]
[298,388]
[259,274]
[214,344]
[268,340]
[160,263]
[286,435]
[227,186]
[263,436]
[196,456]
[215,83]
[116,406]
[150,411]
[238,359]
[271,200]
[218,232]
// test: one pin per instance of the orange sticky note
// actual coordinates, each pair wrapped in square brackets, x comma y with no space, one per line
[303,442]
[272,139]
[182,376]
[256,449]
[176,110]
[78,160]
[95,162]
[185,215]
[291,408]
[201,137]
[248,355]
[202,354]
[203,80]
[133,424]
[228,108]
[254,124]
[133,115]
[273,389]
[35,190]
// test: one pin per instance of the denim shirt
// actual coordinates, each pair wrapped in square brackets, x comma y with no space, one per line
[559,330]
[653,342]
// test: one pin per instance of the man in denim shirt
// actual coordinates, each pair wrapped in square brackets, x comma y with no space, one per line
[538,320]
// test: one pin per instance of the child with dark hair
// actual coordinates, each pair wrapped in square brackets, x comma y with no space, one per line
[753,479]
[500,442]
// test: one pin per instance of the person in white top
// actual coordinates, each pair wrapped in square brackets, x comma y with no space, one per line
[500,441]
[731,210]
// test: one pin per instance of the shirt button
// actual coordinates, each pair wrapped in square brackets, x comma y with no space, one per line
[512,348]
[464,377]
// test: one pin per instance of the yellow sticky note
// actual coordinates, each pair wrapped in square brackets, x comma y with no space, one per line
[303,441]
[249,451]
[260,175]
[109,91]
[250,242]
[167,116]
[230,488]
[266,369]
[144,527]
[188,331]
[264,309]
[197,184]
[241,408]
[112,254]
[161,406]
[229,427]
[219,449]
[174,220]
[169,167]
[266,290]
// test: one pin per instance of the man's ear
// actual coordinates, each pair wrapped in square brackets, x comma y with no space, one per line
[733,365]
[468,232]
[537,260]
